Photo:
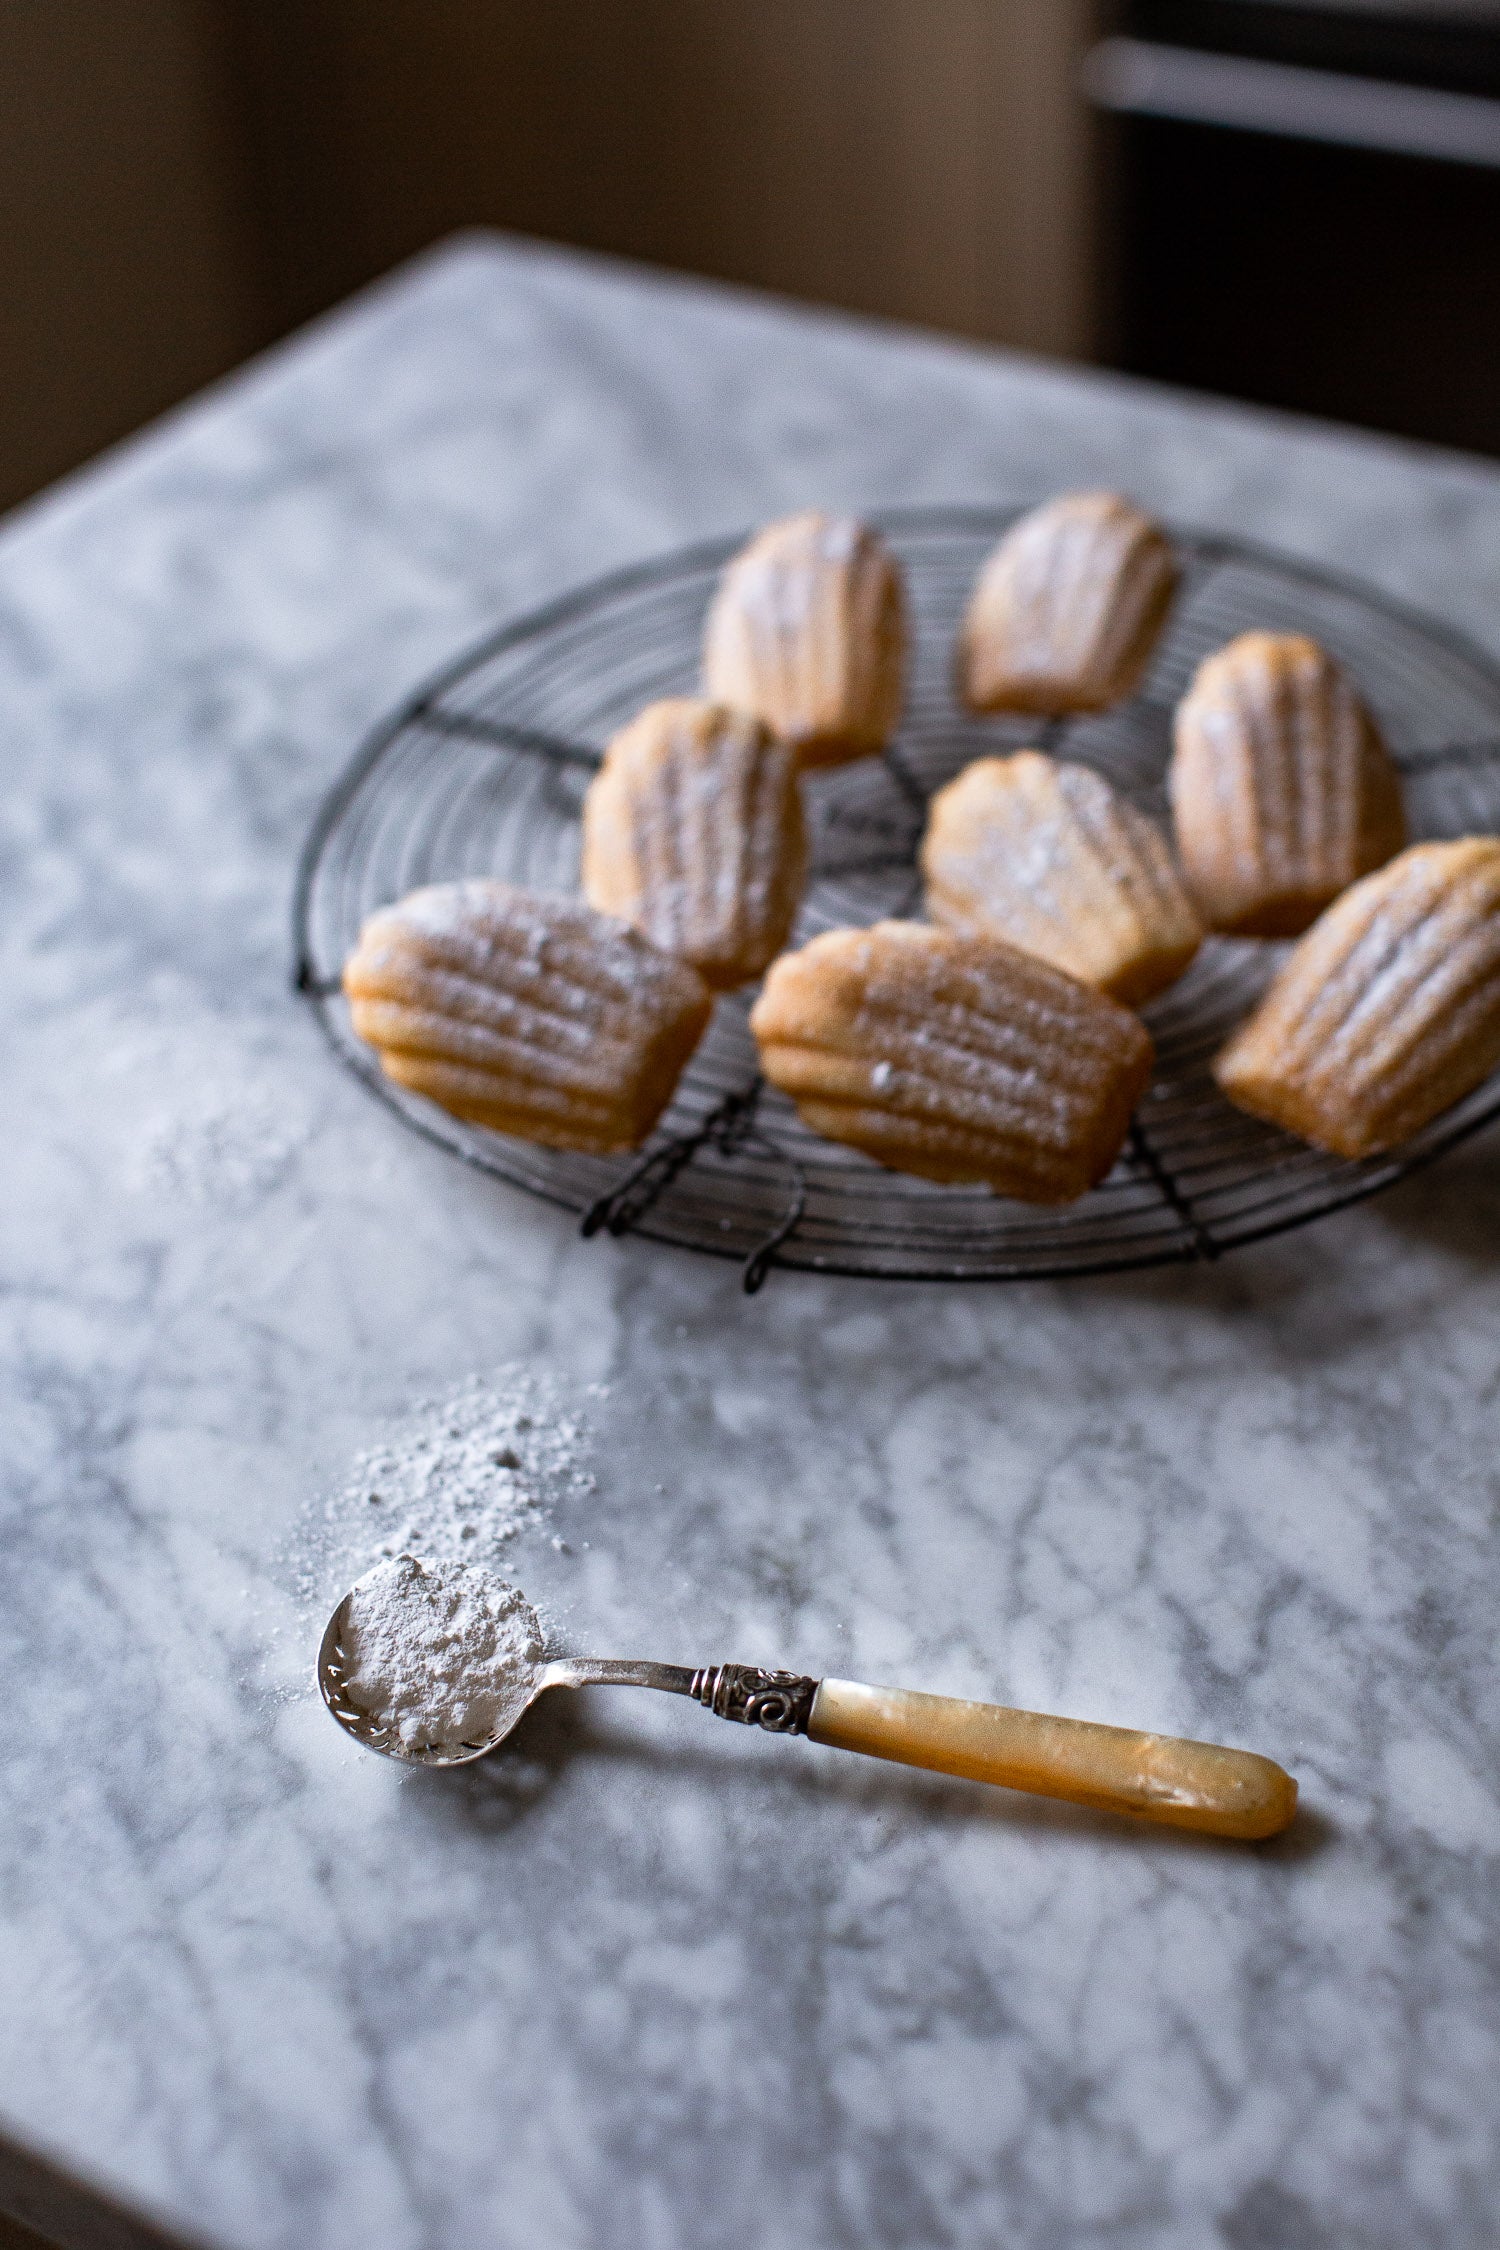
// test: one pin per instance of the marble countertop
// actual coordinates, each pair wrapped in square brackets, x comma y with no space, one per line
[651,1981]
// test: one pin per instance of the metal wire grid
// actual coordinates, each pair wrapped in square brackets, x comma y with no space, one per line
[483,772]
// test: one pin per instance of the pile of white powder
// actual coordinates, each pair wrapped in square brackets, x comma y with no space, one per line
[454,1481]
[221,1139]
[219,1146]
[441,1653]
[461,1474]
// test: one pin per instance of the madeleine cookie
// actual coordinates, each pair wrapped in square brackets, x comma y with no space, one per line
[1387,1012]
[1066,611]
[958,1058]
[808,632]
[1283,792]
[693,832]
[533,1015]
[1047,856]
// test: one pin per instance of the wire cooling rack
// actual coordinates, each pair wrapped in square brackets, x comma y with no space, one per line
[483,771]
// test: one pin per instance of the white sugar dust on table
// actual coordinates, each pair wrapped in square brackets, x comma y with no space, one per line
[455,1479]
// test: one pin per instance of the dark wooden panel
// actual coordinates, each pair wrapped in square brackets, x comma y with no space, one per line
[122,271]
[1328,280]
[923,162]
[13,2236]
[184,179]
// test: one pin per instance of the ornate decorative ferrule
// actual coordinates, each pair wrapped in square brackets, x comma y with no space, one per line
[781,1702]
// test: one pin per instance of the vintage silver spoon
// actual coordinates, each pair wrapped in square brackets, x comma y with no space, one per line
[1152,1776]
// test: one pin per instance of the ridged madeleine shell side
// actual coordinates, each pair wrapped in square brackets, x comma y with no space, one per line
[1046,855]
[808,632]
[1067,609]
[1283,792]
[531,1014]
[958,1058]
[1387,1012]
[693,833]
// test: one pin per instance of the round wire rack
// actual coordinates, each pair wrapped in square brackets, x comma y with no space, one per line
[483,771]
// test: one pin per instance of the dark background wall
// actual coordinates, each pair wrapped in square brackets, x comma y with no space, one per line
[186,179]
[123,279]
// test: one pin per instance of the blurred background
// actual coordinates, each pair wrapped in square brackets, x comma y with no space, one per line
[1292,204]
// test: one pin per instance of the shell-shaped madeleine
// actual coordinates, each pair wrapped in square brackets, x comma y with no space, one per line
[1067,609]
[808,631]
[531,1014]
[693,832]
[1283,792]
[959,1058]
[1388,1010]
[1046,855]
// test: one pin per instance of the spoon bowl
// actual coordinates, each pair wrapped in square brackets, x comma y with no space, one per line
[532,1679]
[376,1734]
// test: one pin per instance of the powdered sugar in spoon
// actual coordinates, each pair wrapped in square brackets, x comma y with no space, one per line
[470,1644]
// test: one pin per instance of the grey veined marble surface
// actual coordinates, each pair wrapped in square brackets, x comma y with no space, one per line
[655,1982]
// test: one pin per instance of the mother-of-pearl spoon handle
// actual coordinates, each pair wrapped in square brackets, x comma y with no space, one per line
[1152,1776]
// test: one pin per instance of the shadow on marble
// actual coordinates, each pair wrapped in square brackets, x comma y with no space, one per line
[498,1794]
[1262,1277]
[1310,1834]
[1454,1207]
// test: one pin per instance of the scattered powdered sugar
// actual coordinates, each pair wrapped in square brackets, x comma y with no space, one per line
[537,948]
[439,1652]
[462,1473]
[218,1147]
[453,1480]
[838,538]
[220,1139]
